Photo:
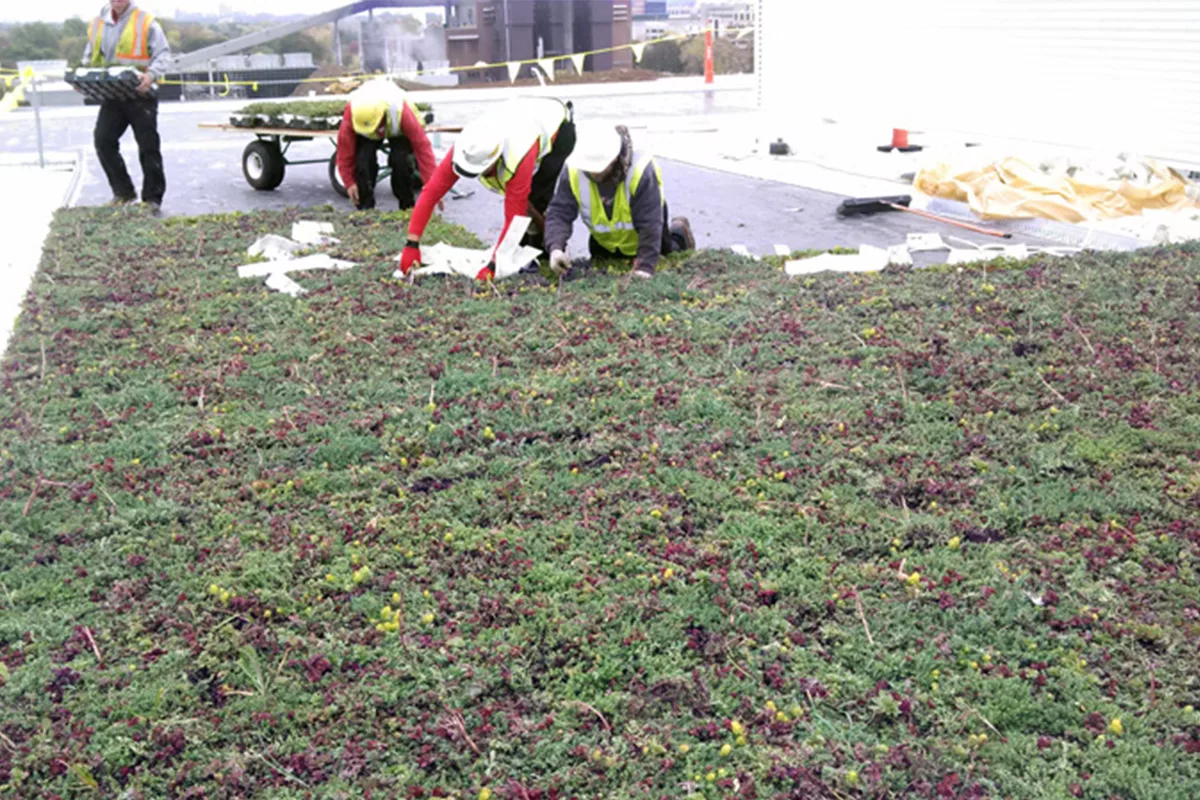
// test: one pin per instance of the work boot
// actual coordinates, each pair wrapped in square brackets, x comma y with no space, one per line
[120,201]
[681,232]
[154,208]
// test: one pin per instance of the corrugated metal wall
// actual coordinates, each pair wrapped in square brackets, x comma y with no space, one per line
[1121,75]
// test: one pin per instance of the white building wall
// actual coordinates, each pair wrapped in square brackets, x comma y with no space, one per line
[1122,75]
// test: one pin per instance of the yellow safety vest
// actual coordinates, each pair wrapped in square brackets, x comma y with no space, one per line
[396,112]
[616,232]
[133,48]
[540,124]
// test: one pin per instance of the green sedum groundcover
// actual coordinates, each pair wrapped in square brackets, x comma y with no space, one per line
[719,535]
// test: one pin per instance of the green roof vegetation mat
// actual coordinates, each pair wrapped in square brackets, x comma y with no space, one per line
[301,114]
[917,534]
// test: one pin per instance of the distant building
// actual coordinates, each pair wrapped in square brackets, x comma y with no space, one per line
[650,19]
[694,16]
[500,31]
[390,45]
[728,16]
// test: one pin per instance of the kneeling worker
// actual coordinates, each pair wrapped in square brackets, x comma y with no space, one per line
[517,150]
[380,110]
[619,193]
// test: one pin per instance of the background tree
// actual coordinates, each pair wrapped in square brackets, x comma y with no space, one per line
[686,57]
[727,57]
[72,40]
[318,41]
[663,57]
[36,41]
[194,35]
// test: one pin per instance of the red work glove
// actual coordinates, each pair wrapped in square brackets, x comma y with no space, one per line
[411,257]
[487,273]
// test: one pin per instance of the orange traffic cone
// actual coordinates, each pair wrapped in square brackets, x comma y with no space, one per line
[900,142]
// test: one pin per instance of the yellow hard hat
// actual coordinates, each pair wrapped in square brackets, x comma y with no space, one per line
[367,115]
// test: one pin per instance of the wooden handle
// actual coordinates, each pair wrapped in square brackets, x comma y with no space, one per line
[964,225]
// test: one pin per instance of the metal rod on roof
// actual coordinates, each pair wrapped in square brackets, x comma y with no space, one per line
[37,116]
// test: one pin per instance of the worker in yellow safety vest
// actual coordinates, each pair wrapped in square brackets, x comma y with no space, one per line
[618,191]
[125,35]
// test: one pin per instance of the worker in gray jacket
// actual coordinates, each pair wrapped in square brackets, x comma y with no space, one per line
[125,35]
[619,193]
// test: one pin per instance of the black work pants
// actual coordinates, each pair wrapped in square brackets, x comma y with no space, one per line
[671,242]
[545,180]
[402,163]
[116,117]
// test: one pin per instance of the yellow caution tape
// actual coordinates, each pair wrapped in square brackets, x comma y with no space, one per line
[636,47]
[13,99]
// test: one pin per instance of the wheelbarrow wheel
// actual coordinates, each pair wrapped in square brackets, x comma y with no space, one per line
[262,164]
[335,179]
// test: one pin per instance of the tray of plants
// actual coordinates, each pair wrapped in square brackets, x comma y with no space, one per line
[105,83]
[277,126]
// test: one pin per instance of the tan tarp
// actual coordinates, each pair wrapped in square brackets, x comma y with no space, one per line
[1015,189]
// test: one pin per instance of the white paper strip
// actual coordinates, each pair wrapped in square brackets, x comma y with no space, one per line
[317,261]
[511,257]
[578,60]
[282,283]
[442,259]
[547,65]
[898,254]
[1019,252]
[922,242]
[313,233]
[514,69]
[639,49]
[274,248]
[742,250]
[868,259]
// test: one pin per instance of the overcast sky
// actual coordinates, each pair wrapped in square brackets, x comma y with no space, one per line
[58,10]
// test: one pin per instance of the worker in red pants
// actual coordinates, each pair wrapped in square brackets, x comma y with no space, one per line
[517,150]
[380,111]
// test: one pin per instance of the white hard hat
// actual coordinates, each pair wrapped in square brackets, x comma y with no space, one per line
[597,146]
[478,147]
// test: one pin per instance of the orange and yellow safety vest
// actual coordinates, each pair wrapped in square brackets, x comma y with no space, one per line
[133,48]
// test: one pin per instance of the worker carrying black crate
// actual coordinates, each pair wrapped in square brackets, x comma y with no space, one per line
[126,35]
